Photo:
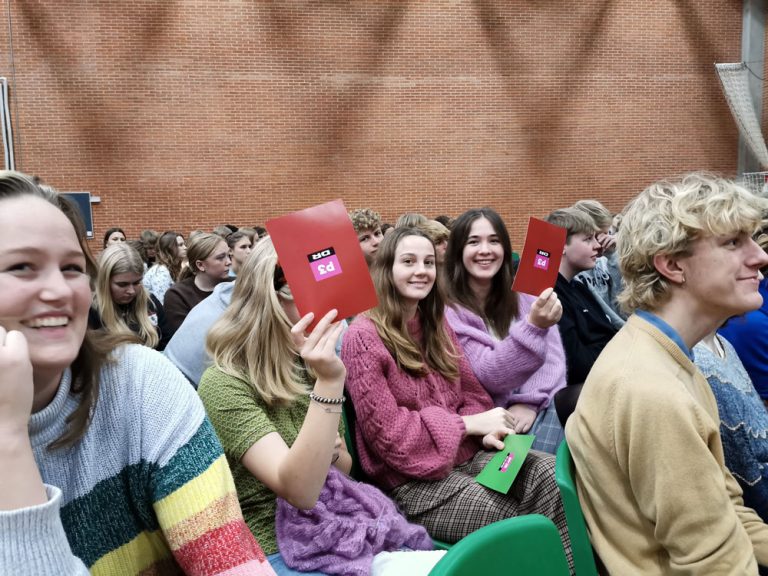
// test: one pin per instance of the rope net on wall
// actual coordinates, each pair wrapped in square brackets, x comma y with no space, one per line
[735,81]
[756,181]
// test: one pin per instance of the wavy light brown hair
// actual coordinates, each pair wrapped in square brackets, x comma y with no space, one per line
[252,340]
[167,254]
[437,351]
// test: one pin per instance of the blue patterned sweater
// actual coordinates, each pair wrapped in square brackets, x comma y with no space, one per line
[743,422]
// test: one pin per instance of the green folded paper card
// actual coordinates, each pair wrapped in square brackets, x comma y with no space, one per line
[501,471]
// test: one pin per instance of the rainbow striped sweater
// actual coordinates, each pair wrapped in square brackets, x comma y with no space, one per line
[146,492]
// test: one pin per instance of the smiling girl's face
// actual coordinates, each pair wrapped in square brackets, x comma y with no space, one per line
[45,290]
[413,272]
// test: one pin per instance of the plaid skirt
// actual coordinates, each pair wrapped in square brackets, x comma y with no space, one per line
[455,506]
[549,433]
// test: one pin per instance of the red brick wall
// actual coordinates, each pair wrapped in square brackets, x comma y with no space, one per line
[192,113]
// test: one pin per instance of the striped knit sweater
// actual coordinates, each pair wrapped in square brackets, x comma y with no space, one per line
[147,490]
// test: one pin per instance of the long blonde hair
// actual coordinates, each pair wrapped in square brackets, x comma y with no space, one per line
[122,259]
[437,351]
[252,340]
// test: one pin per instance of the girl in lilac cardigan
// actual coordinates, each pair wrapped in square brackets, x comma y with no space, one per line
[423,419]
[510,339]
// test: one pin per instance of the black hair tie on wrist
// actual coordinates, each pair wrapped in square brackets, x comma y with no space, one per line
[324,400]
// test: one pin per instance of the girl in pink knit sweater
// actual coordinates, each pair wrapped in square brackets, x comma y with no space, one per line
[423,419]
[511,340]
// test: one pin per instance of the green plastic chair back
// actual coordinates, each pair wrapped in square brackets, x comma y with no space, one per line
[522,545]
[440,545]
[583,557]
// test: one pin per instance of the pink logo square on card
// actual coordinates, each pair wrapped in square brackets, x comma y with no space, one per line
[541,260]
[324,264]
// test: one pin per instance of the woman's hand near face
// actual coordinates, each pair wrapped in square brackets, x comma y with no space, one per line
[546,311]
[318,350]
[20,483]
[493,425]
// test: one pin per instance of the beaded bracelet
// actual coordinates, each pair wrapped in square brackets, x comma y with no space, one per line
[324,400]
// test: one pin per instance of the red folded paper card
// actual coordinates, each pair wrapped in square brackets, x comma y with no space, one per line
[321,257]
[540,262]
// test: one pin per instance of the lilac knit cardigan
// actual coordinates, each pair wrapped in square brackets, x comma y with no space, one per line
[349,525]
[526,367]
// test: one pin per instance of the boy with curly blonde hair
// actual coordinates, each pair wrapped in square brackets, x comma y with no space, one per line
[650,471]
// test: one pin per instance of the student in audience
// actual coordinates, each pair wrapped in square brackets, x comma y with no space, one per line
[604,280]
[122,304]
[95,476]
[584,326]
[279,418]
[653,485]
[386,228]
[138,245]
[410,220]
[743,418]
[511,340]
[446,221]
[209,263]
[439,235]
[367,225]
[167,268]
[187,347]
[423,419]
[181,249]
[113,236]
[749,336]
[224,230]
[239,248]
[251,233]
[149,239]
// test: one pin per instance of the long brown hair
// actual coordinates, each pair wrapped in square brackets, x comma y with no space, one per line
[94,352]
[502,307]
[167,254]
[436,351]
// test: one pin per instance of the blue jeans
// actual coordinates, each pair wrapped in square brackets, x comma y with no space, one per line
[278,565]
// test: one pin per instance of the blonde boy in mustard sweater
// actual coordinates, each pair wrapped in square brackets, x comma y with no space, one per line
[650,472]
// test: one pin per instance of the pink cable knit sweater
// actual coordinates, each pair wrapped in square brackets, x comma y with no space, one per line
[526,367]
[407,427]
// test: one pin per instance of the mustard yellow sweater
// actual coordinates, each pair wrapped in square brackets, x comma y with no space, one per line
[651,477]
